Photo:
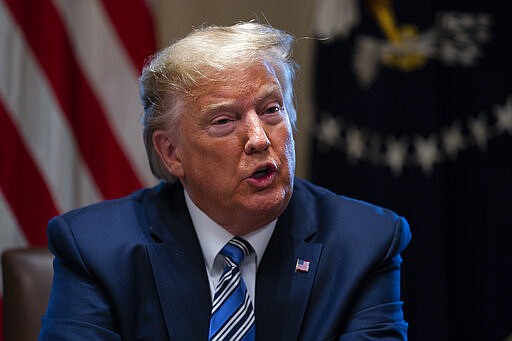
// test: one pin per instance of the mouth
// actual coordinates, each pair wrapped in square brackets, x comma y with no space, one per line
[262,172]
[263,175]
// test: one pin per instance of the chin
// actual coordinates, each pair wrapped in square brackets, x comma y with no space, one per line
[272,204]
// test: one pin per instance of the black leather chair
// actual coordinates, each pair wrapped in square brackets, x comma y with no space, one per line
[27,277]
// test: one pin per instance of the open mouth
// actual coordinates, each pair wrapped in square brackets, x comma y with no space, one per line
[261,173]
[265,171]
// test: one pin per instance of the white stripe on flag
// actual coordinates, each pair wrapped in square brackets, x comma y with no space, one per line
[49,149]
[101,54]
[33,108]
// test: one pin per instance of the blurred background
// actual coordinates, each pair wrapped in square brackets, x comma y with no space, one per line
[404,104]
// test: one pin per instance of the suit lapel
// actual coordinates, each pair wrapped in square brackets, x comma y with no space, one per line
[178,267]
[282,293]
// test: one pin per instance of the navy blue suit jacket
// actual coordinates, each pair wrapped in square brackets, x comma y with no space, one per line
[132,269]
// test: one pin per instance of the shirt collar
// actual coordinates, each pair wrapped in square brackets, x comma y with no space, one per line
[212,237]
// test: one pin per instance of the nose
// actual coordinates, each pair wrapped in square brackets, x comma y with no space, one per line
[257,139]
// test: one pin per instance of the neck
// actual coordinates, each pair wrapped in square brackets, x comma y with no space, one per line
[237,224]
[244,228]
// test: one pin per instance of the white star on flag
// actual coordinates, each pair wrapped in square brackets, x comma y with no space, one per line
[329,131]
[480,131]
[395,154]
[452,140]
[355,144]
[504,116]
[427,152]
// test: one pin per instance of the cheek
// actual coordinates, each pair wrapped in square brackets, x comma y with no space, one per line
[290,157]
[217,163]
[286,150]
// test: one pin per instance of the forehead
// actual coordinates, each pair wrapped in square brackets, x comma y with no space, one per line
[250,82]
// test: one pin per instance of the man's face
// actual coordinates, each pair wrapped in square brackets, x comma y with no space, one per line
[235,153]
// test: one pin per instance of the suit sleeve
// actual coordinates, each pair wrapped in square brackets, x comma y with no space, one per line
[77,309]
[378,311]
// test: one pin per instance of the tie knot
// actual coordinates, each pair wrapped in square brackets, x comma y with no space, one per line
[235,251]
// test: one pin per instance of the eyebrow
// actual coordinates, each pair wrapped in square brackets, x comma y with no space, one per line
[217,106]
[272,90]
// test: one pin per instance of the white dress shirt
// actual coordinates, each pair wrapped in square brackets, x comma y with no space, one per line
[212,238]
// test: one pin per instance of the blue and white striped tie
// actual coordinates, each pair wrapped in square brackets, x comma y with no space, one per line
[232,316]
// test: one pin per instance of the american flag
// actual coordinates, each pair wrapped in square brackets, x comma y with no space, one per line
[69,108]
[302,265]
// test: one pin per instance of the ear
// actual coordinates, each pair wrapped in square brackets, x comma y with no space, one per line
[167,148]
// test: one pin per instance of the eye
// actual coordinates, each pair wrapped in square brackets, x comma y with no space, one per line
[273,114]
[222,121]
[273,110]
[222,125]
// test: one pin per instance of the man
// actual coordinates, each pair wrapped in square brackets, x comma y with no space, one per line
[163,263]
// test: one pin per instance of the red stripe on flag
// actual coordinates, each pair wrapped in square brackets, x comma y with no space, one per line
[46,34]
[22,185]
[134,25]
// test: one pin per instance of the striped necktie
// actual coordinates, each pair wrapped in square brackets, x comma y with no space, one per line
[232,315]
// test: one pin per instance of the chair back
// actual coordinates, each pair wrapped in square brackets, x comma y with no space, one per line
[27,277]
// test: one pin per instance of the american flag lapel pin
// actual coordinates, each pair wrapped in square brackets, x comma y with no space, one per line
[302,265]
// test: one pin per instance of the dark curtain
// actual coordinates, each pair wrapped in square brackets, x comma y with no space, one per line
[429,135]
